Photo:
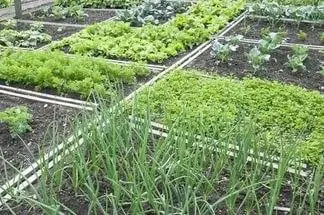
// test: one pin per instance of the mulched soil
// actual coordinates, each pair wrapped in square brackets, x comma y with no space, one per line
[93,17]
[275,69]
[251,28]
[45,118]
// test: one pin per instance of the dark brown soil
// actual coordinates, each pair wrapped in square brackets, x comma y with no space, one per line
[93,17]
[275,69]
[253,29]
[46,117]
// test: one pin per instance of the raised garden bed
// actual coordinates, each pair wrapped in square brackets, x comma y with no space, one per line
[150,43]
[75,77]
[132,150]
[281,111]
[51,32]
[274,70]
[92,16]
[47,121]
[303,33]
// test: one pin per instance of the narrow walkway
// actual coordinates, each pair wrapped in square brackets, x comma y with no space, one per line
[29,5]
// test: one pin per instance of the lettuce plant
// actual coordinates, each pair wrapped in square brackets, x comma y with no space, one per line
[17,118]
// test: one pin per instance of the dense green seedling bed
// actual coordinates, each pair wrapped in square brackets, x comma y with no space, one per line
[98,3]
[291,2]
[55,70]
[151,43]
[283,112]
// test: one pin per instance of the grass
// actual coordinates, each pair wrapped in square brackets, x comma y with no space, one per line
[123,169]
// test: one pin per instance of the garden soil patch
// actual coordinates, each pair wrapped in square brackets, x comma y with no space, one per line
[92,17]
[275,69]
[252,28]
[45,118]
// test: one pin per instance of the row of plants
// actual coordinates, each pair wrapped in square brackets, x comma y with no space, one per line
[291,2]
[115,39]
[282,112]
[98,3]
[273,10]
[54,70]
[260,54]
[154,12]
[33,37]
[17,119]
[122,169]
[61,13]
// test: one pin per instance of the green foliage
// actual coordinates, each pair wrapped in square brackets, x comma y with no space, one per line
[302,35]
[9,24]
[291,2]
[17,118]
[296,61]
[261,54]
[5,3]
[152,43]
[270,42]
[59,12]
[55,70]
[321,36]
[153,12]
[223,51]
[281,111]
[275,11]
[257,59]
[28,38]
[97,3]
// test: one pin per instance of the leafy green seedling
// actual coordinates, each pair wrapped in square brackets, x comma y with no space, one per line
[17,118]
[296,61]
[321,36]
[223,51]
[302,35]
[257,59]
[270,42]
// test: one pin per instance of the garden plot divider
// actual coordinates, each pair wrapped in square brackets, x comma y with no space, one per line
[43,97]
[284,44]
[52,23]
[162,130]
[286,19]
[28,176]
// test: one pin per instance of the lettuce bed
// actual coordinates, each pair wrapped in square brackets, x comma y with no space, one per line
[283,112]
[97,3]
[55,70]
[152,43]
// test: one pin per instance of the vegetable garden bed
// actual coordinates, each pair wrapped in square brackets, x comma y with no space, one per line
[276,69]
[47,122]
[23,35]
[132,150]
[150,43]
[303,33]
[90,16]
[57,73]
[284,112]
[247,143]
